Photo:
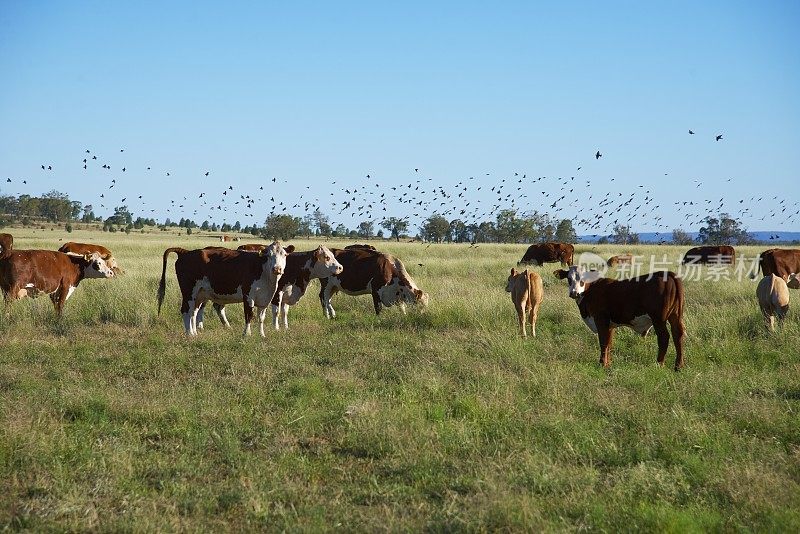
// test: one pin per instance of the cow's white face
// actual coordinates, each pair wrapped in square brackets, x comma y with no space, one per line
[414,296]
[324,263]
[578,279]
[275,256]
[97,267]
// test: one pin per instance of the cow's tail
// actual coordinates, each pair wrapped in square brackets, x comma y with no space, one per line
[162,285]
[758,267]
[679,296]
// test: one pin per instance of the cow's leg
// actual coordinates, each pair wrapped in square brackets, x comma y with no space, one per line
[196,309]
[678,333]
[376,301]
[220,309]
[59,299]
[248,315]
[534,317]
[326,292]
[605,335]
[663,341]
[200,314]
[521,317]
[781,312]
[276,311]
[285,309]
[262,314]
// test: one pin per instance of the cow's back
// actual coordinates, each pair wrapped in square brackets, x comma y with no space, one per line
[84,248]
[362,267]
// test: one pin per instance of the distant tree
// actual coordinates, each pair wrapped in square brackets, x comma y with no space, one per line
[204,226]
[307,226]
[379,234]
[435,228]
[365,229]
[624,236]
[340,231]
[237,226]
[681,237]
[458,231]
[723,231]
[226,227]
[280,227]
[395,226]
[565,232]
[321,222]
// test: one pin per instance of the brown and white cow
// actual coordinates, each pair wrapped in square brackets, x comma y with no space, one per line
[252,247]
[773,299]
[641,303]
[6,244]
[783,262]
[716,254]
[541,253]
[620,259]
[370,272]
[301,268]
[72,247]
[31,273]
[225,276]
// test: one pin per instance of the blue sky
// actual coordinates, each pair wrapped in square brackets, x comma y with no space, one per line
[312,93]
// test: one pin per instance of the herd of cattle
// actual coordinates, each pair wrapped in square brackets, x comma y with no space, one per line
[264,276]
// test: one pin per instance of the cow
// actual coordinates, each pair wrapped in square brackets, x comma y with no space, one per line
[252,247]
[779,261]
[773,299]
[527,292]
[301,268]
[224,276]
[716,254]
[369,272]
[641,303]
[541,253]
[6,244]
[364,247]
[619,260]
[32,273]
[224,238]
[88,248]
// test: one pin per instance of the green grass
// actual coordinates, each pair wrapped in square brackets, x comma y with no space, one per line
[443,420]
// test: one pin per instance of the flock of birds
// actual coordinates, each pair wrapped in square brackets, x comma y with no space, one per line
[593,208]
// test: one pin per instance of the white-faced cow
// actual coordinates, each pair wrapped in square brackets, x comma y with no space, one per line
[370,272]
[72,247]
[641,303]
[30,273]
[225,276]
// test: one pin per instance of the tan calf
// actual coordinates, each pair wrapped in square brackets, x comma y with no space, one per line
[773,298]
[526,293]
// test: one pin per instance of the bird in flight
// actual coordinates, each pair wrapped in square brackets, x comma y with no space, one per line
[719,137]
[598,155]
[691,132]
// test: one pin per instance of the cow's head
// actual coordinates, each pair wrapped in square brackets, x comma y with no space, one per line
[113,265]
[413,295]
[274,256]
[323,264]
[512,278]
[794,281]
[94,266]
[578,278]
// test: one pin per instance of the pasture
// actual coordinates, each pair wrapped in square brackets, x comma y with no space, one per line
[442,420]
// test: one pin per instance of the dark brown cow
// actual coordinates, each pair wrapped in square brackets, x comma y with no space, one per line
[641,303]
[72,247]
[252,247]
[369,272]
[225,276]
[35,272]
[783,262]
[6,244]
[364,247]
[619,259]
[541,253]
[716,254]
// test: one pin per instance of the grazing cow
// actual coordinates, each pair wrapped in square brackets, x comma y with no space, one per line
[541,253]
[773,298]
[779,261]
[6,244]
[366,271]
[641,303]
[225,276]
[88,248]
[364,247]
[716,254]
[252,247]
[619,259]
[31,273]
[527,292]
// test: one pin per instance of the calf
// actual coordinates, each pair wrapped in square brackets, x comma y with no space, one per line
[87,248]
[369,272]
[641,303]
[526,293]
[773,298]
[224,277]
[34,272]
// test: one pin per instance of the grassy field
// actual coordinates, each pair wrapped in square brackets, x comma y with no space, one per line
[112,419]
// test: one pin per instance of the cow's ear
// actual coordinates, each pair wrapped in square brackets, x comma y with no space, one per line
[513,272]
[560,273]
[289,249]
[87,256]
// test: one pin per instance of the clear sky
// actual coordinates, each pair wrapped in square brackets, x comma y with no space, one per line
[311,93]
